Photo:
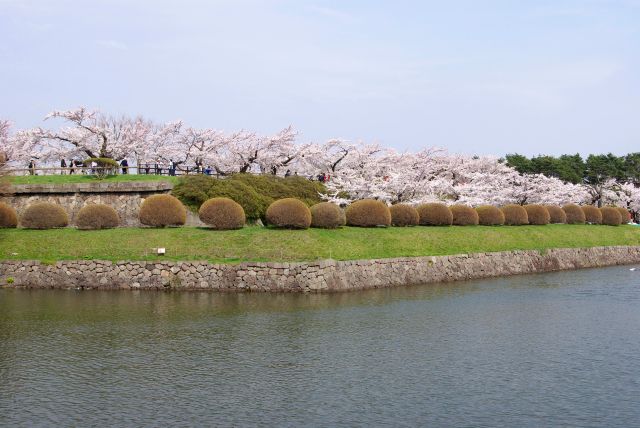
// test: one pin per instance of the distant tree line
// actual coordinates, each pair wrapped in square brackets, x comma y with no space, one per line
[574,169]
[601,175]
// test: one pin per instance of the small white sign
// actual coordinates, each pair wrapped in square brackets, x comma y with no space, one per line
[161,251]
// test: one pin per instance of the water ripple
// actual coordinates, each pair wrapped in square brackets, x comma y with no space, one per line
[554,349]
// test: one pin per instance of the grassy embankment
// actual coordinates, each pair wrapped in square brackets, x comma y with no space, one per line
[84,178]
[260,244]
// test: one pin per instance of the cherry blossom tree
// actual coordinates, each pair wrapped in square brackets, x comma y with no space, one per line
[267,153]
[329,156]
[625,195]
[354,170]
[601,191]
[181,144]
[93,134]
[5,127]
[11,148]
[433,175]
[237,152]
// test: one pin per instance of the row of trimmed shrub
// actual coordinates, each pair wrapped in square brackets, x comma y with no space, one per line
[224,213]
[45,215]
[372,213]
[166,210]
[156,210]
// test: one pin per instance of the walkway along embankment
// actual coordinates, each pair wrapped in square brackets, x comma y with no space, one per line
[326,275]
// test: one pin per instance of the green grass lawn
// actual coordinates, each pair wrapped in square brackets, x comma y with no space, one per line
[83,178]
[260,244]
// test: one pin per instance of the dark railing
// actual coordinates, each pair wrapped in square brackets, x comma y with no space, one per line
[88,170]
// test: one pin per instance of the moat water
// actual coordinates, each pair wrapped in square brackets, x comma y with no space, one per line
[559,349]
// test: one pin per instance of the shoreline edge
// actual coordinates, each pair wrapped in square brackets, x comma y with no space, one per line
[312,276]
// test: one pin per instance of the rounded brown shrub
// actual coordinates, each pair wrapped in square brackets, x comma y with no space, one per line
[290,213]
[404,215]
[592,214]
[162,210]
[611,216]
[97,216]
[514,215]
[488,215]
[222,214]
[435,214]
[574,213]
[368,213]
[464,215]
[624,214]
[327,215]
[537,214]
[556,214]
[8,216]
[43,215]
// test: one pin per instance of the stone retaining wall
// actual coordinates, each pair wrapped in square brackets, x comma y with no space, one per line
[125,197]
[327,275]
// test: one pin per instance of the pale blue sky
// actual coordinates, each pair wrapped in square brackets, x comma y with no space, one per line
[486,77]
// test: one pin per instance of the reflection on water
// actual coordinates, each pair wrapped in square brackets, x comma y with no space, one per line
[553,349]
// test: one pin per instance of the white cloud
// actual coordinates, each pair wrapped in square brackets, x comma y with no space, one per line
[331,13]
[112,44]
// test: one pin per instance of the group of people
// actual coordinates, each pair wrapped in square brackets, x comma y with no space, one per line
[159,169]
[323,178]
[72,165]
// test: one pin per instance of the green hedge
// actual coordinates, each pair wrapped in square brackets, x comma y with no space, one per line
[253,192]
